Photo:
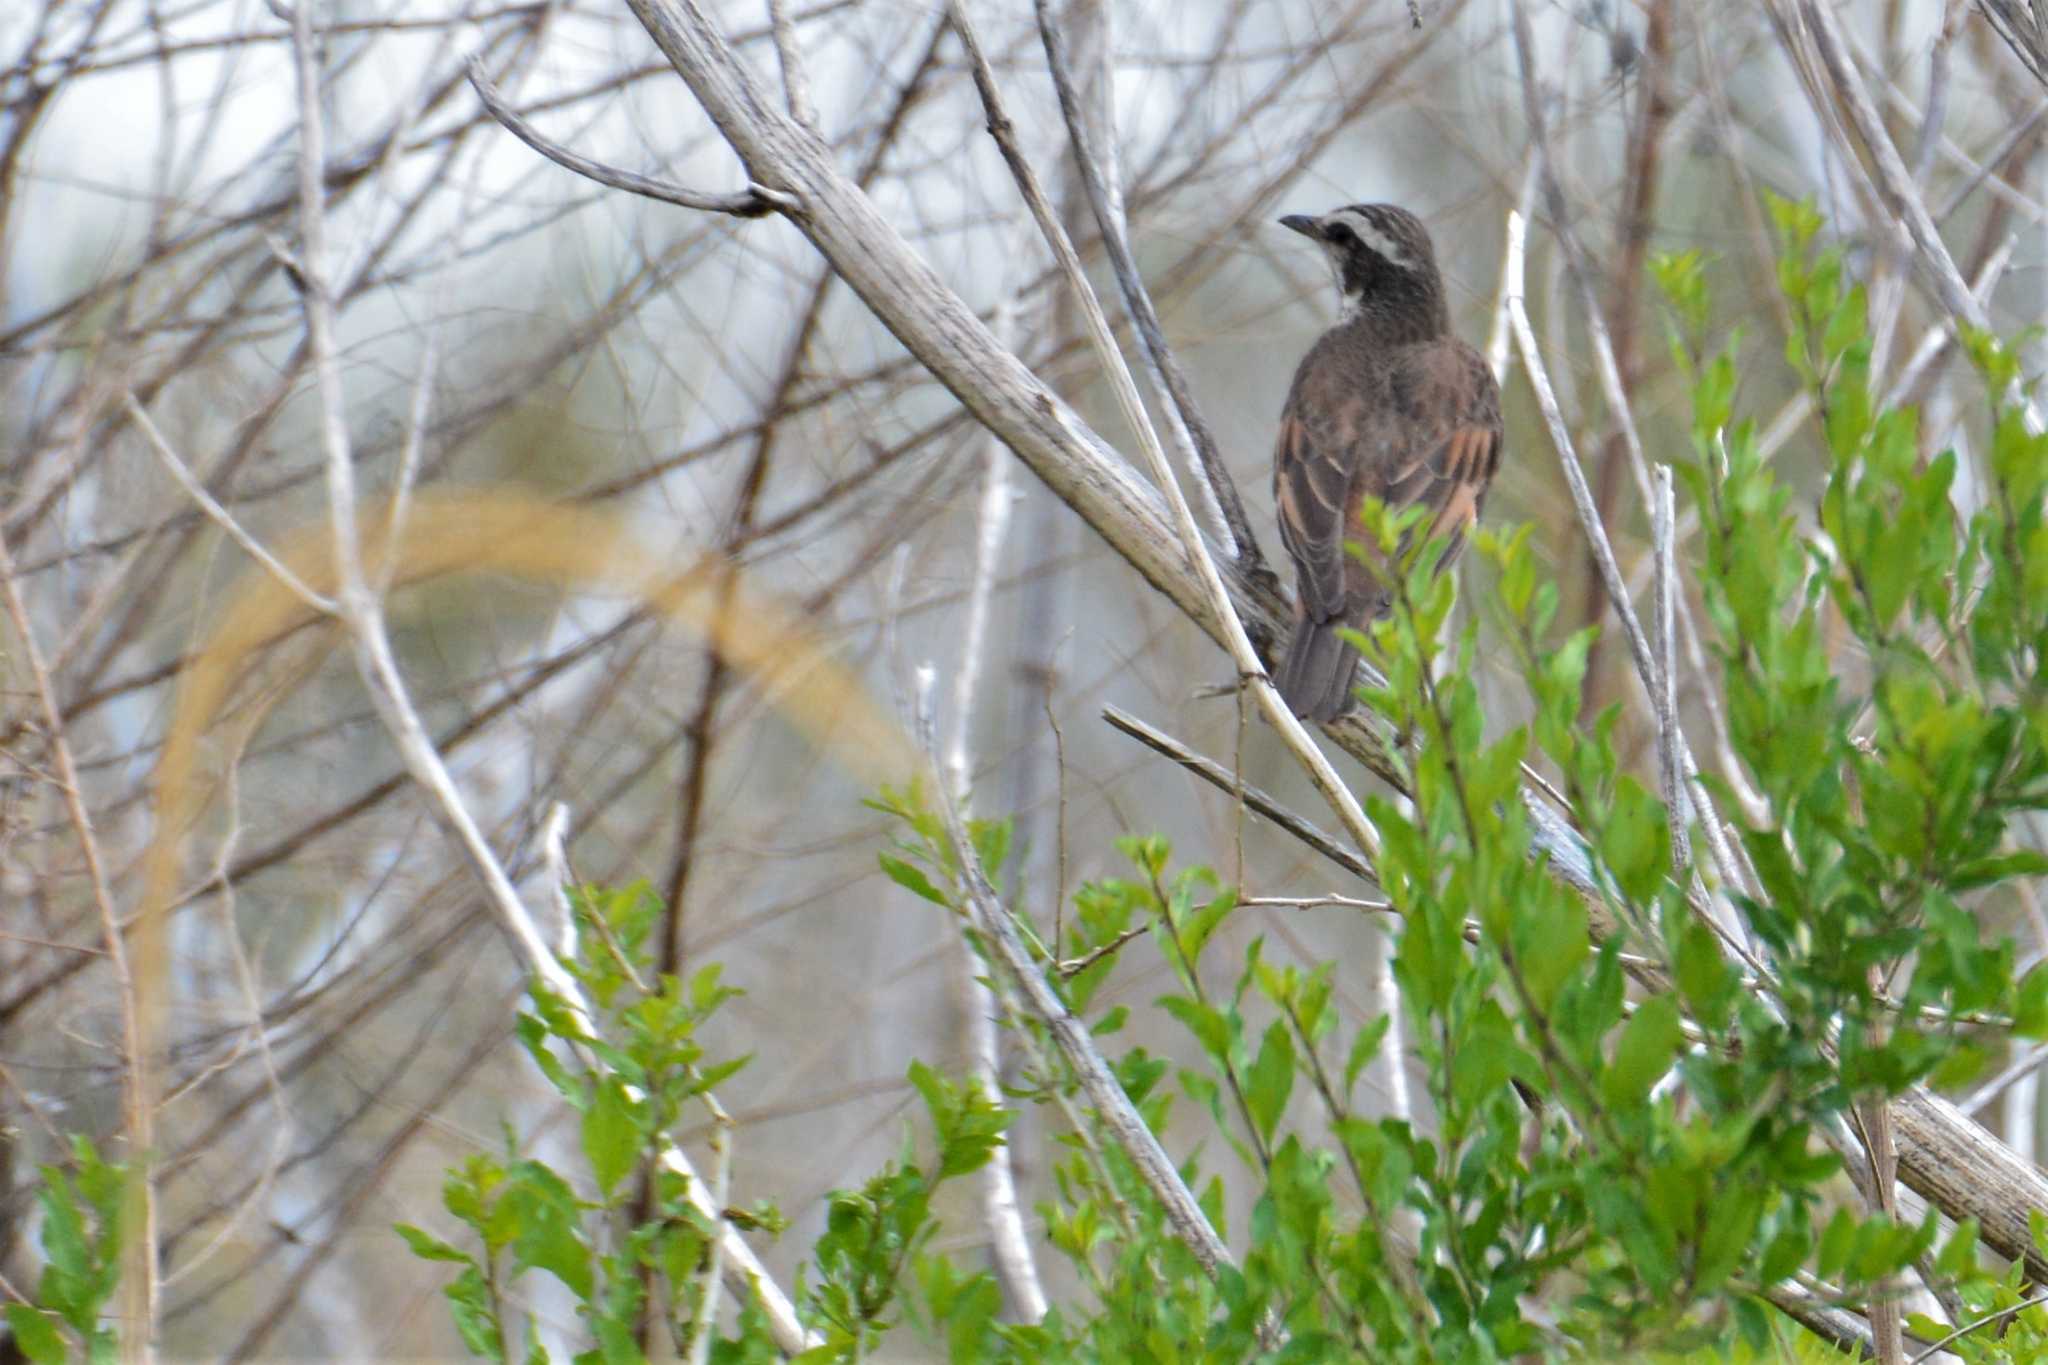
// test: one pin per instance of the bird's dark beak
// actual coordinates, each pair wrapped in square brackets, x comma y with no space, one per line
[1303,224]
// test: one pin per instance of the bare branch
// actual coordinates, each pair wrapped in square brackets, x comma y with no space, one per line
[1720,914]
[1227,782]
[796,81]
[1015,1268]
[362,614]
[1670,764]
[756,201]
[220,516]
[1615,390]
[1887,172]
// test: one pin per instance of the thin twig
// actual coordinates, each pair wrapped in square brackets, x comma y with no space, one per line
[755,201]
[2026,1064]
[1615,390]
[712,1278]
[220,515]
[409,453]
[1988,1320]
[1221,778]
[1499,336]
[1316,903]
[554,852]
[1074,966]
[1886,172]
[283,1130]
[1720,915]
[796,80]
[1059,881]
[1670,766]
[362,613]
[356,603]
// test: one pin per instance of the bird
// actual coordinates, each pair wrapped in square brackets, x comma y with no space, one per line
[1387,403]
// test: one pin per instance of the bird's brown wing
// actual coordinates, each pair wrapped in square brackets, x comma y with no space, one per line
[1438,441]
[1314,464]
[1417,426]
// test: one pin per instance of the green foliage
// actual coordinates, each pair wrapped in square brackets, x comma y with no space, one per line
[81,1240]
[624,1236]
[1890,795]
[635,1254]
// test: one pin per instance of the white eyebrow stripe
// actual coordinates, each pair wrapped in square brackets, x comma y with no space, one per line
[1369,234]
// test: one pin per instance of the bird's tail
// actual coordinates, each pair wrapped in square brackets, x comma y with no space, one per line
[1315,680]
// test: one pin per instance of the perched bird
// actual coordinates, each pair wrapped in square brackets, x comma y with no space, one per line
[1387,403]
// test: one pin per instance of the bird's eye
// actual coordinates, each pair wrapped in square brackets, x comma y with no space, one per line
[1341,235]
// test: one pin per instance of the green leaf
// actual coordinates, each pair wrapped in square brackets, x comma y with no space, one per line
[991,841]
[1203,1090]
[1487,1057]
[1551,943]
[611,1134]
[1149,852]
[1835,1243]
[1270,1080]
[547,1228]
[1364,1047]
[1197,927]
[1208,1026]
[1797,219]
[1648,1045]
[1707,982]
[428,1247]
[708,990]
[1638,841]
[1785,1252]
[1731,1226]
[2030,1009]
[2025,862]
[1958,1255]
[911,878]
[469,1300]
[36,1334]
[103,1183]
[64,1240]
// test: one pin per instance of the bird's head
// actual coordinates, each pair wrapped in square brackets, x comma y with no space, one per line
[1383,261]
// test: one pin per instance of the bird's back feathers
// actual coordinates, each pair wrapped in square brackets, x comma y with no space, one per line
[1410,423]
